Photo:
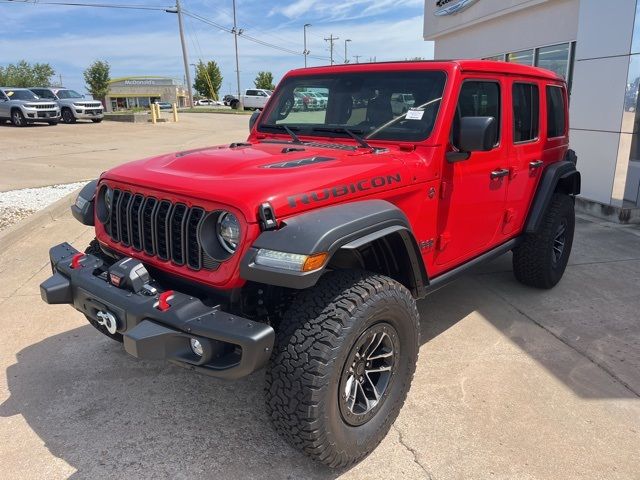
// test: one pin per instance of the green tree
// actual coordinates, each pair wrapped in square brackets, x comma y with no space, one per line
[97,77]
[264,80]
[24,74]
[208,79]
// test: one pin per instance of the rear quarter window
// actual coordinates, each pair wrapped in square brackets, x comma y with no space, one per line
[556,118]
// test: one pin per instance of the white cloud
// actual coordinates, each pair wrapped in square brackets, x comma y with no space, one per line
[156,51]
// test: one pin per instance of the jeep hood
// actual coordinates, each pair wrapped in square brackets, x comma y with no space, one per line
[302,178]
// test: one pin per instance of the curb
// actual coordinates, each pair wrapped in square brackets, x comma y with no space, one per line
[52,212]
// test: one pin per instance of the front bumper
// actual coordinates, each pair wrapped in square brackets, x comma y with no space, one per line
[232,346]
[88,113]
[33,115]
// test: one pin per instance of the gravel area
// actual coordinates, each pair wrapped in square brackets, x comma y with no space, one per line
[18,204]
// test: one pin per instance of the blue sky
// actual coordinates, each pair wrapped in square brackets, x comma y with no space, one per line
[147,42]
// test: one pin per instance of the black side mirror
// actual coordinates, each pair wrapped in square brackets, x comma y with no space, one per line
[253,119]
[475,134]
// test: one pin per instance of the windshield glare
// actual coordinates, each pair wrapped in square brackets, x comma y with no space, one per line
[68,94]
[392,105]
[21,95]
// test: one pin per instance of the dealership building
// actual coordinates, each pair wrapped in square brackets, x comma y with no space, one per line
[595,45]
[139,92]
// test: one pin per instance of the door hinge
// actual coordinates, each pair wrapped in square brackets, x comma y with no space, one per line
[508,215]
[443,240]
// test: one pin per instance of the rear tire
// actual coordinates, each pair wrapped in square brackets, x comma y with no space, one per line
[541,259]
[342,365]
[17,118]
[53,124]
[94,249]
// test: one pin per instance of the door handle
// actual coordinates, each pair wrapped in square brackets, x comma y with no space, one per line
[503,172]
[536,164]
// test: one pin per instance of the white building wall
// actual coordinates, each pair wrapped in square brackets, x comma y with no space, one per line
[491,27]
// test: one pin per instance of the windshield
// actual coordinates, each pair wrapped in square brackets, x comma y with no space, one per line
[392,105]
[68,94]
[21,95]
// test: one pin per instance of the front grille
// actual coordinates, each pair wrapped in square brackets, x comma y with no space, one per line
[43,106]
[160,228]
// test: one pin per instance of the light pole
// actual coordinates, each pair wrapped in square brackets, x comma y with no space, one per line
[235,37]
[305,52]
[346,59]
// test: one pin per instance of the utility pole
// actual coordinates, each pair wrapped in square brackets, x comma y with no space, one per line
[357,57]
[305,52]
[346,58]
[331,39]
[235,38]
[185,57]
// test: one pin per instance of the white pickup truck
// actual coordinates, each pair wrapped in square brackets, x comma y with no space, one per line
[253,99]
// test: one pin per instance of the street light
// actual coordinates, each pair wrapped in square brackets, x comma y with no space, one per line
[346,59]
[305,52]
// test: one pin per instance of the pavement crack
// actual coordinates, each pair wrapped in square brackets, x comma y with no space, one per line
[413,452]
[602,367]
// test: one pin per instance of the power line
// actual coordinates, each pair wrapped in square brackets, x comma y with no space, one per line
[95,5]
[248,37]
[331,39]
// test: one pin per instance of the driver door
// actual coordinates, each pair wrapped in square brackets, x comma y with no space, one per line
[473,191]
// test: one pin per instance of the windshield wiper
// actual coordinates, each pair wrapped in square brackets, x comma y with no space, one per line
[352,133]
[287,129]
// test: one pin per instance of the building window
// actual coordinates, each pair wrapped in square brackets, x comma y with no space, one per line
[555,112]
[524,57]
[555,58]
[526,112]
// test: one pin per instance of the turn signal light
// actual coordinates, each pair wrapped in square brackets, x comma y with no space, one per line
[314,262]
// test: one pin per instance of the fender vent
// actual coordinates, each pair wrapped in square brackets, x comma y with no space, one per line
[299,163]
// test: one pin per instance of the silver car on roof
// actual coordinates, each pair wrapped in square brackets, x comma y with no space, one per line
[21,106]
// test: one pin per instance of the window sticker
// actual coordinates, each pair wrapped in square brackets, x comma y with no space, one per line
[414,114]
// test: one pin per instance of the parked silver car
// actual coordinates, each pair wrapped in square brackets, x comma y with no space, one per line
[72,104]
[23,107]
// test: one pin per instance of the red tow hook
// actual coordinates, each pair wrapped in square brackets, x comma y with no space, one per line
[76,259]
[163,300]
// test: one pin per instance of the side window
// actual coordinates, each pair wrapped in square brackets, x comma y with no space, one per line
[479,98]
[252,93]
[526,112]
[556,121]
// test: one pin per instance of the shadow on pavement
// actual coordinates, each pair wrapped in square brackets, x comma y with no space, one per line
[107,414]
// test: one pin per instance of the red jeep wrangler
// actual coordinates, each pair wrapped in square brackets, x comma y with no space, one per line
[305,248]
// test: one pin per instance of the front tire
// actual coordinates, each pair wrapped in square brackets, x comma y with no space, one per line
[541,259]
[67,116]
[96,120]
[344,358]
[17,119]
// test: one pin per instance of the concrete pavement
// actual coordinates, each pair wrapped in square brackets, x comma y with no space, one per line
[511,383]
[42,155]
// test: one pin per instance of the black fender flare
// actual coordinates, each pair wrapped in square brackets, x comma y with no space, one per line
[560,177]
[82,210]
[345,226]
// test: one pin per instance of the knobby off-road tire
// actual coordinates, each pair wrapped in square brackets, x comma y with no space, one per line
[95,250]
[321,343]
[540,260]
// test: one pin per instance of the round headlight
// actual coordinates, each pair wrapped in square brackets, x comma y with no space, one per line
[228,230]
[104,204]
